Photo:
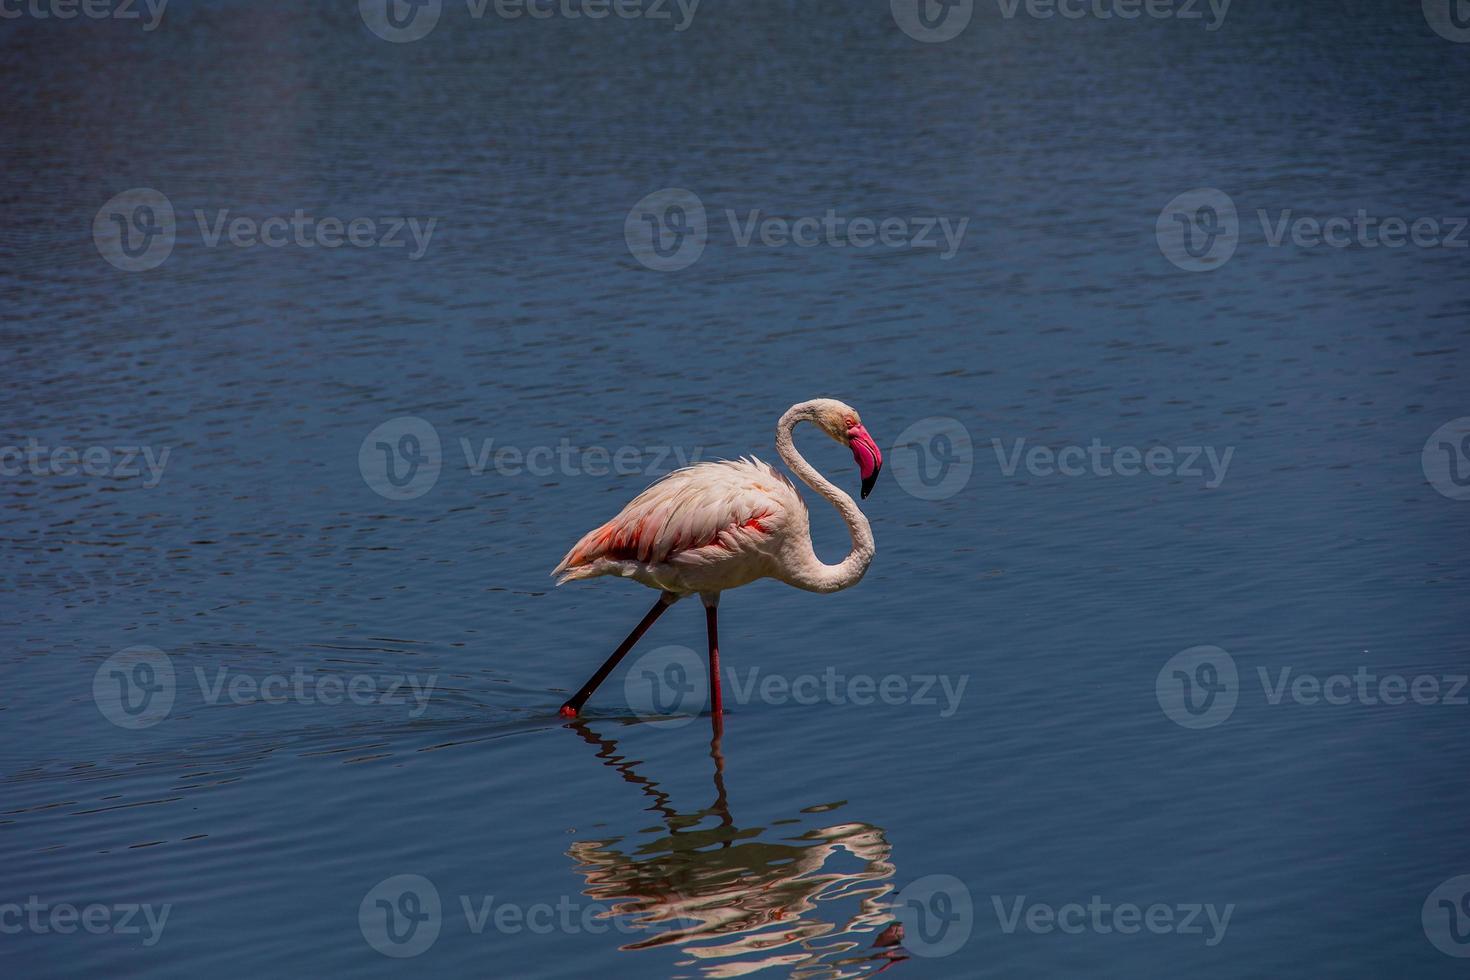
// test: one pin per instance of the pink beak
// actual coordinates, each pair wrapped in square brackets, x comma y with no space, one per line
[869,458]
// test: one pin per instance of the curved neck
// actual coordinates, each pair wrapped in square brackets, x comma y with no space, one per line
[806,570]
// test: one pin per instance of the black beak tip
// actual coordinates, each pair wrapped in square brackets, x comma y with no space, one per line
[868,485]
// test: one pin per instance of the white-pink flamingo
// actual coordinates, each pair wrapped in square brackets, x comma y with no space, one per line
[717,526]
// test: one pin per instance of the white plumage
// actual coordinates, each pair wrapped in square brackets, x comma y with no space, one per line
[706,527]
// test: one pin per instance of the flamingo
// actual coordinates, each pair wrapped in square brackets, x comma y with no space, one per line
[720,525]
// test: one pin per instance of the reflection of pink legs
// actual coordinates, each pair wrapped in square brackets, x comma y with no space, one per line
[575,702]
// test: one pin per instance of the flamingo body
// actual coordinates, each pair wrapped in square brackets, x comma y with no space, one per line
[705,528]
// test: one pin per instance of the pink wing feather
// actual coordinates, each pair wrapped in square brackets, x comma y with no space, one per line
[698,514]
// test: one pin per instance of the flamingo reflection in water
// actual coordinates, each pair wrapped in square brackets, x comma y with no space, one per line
[739,899]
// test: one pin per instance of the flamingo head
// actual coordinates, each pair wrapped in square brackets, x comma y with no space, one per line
[842,423]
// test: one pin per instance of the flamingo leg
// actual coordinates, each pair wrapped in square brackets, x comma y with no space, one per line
[711,621]
[575,702]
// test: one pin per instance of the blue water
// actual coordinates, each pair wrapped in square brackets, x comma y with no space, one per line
[636,844]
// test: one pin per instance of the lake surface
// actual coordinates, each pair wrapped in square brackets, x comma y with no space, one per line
[252,684]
